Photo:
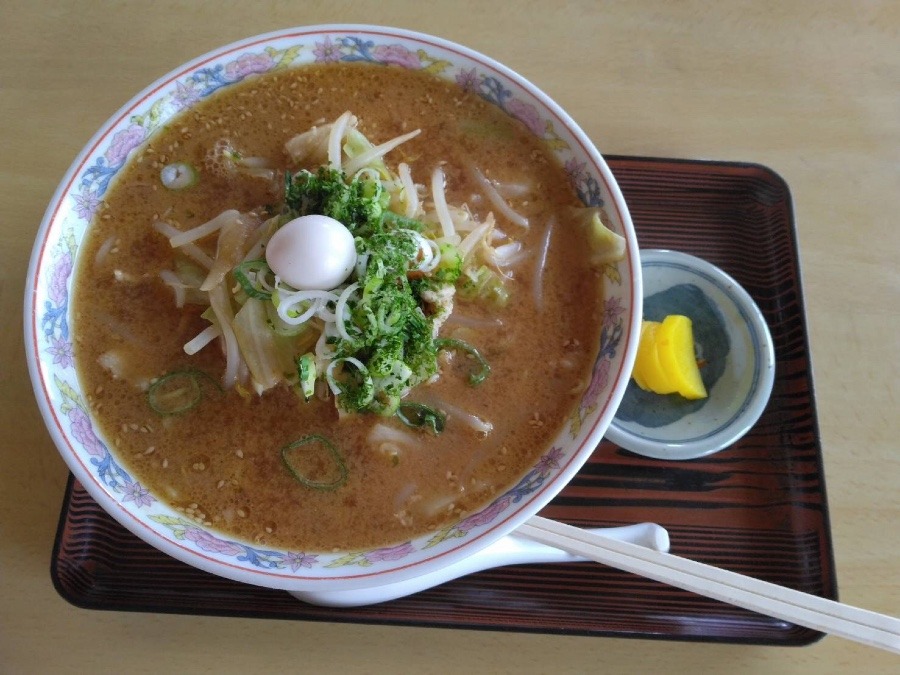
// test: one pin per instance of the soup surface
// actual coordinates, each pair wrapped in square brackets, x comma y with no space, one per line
[220,462]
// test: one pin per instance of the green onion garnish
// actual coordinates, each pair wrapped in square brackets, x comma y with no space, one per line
[253,276]
[475,378]
[419,415]
[402,222]
[315,463]
[306,374]
[177,392]
[178,176]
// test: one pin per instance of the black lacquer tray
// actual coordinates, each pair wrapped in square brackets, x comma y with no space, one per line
[757,508]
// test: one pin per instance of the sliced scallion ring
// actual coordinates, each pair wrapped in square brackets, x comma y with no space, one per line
[254,277]
[481,374]
[177,392]
[178,176]
[293,454]
[306,375]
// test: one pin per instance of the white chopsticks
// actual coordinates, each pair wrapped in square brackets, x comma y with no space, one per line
[828,616]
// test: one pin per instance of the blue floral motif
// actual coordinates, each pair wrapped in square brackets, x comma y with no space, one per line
[589,191]
[96,179]
[110,473]
[188,530]
[269,560]
[492,90]
[357,49]
[585,184]
[54,321]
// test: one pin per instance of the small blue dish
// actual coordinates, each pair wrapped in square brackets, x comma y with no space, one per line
[737,355]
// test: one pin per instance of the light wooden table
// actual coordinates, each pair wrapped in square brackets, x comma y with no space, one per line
[811,89]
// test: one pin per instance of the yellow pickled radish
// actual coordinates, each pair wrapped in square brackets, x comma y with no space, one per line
[647,367]
[675,350]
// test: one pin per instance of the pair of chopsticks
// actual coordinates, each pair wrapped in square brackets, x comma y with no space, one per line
[827,616]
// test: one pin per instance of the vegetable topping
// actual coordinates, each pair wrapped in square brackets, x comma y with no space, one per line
[343,288]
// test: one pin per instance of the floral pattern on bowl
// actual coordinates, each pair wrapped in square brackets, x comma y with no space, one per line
[66,408]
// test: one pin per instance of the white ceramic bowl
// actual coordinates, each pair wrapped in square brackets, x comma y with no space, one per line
[48,312]
[731,335]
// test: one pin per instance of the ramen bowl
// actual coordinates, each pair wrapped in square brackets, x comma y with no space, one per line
[92,457]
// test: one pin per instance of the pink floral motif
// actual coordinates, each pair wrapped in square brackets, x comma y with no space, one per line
[185,95]
[247,64]
[468,80]
[397,55]
[392,553]
[84,433]
[61,350]
[57,287]
[599,380]
[612,310]
[86,204]
[210,543]
[487,515]
[527,114]
[135,492]
[327,50]
[575,169]
[298,560]
[124,142]
[549,461]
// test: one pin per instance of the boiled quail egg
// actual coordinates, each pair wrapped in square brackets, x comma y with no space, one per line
[312,253]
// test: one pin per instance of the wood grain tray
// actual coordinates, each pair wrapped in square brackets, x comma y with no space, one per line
[758,507]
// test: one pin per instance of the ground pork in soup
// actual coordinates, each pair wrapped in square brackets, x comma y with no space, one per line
[219,461]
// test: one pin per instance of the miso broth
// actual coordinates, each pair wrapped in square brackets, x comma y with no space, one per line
[220,462]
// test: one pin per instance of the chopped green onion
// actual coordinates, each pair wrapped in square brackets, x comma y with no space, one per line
[419,415]
[178,176]
[475,378]
[397,221]
[306,371]
[252,276]
[292,453]
[450,266]
[356,390]
[483,284]
[177,392]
